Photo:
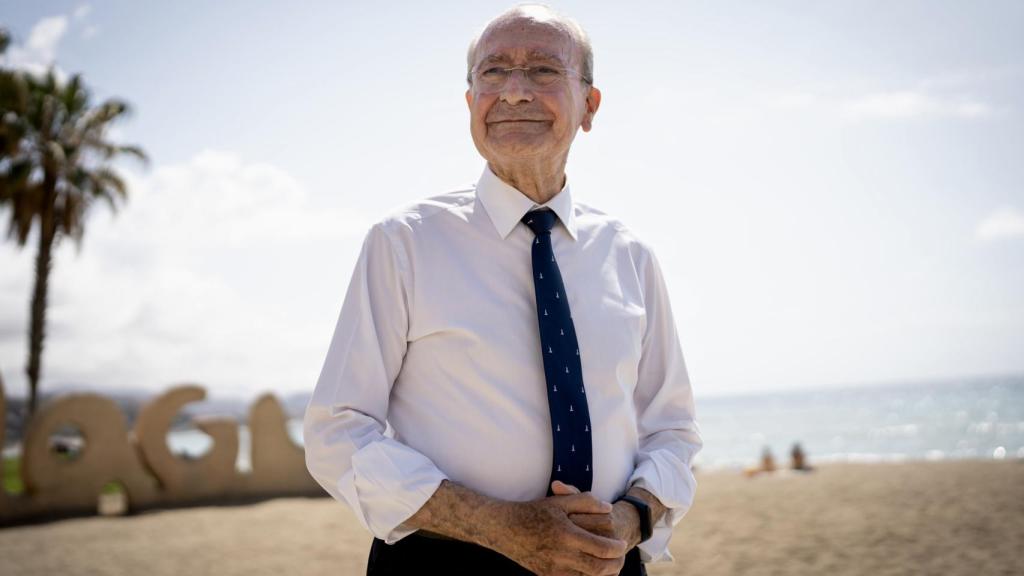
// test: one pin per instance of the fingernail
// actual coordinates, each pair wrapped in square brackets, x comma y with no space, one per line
[606,506]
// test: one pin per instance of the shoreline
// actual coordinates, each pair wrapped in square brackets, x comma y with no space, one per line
[861,458]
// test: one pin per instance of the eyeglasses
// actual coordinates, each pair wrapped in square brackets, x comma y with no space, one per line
[540,76]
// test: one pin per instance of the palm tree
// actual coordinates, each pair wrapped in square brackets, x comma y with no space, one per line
[54,162]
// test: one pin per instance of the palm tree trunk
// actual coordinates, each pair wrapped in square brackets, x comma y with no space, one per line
[37,327]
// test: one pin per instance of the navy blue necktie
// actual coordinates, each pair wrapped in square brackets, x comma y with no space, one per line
[567,401]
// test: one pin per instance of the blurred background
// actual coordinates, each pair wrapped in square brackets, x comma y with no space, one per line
[834,190]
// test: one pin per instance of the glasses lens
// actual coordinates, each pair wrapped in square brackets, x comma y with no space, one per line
[493,77]
[545,75]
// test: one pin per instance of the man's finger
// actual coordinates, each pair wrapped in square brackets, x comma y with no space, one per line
[581,518]
[595,545]
[596,523]
[586,503]
[561,488]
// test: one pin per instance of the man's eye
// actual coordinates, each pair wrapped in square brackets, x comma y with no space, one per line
[493,72]
[546,71]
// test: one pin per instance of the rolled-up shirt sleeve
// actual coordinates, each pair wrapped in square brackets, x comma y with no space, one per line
[347,449]
[666,417]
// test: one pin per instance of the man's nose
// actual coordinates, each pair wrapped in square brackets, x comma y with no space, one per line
[517,88]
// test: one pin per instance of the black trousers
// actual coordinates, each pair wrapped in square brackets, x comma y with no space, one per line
[417,554]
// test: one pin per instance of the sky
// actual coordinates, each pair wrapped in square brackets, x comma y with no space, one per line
[834,190]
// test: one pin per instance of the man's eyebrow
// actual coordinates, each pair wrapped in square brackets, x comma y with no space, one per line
[495,58]
[541,55]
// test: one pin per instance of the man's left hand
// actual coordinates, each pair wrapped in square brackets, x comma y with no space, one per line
[623,522]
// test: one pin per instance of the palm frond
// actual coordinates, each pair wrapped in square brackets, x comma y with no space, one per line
[136,151]
[109,181]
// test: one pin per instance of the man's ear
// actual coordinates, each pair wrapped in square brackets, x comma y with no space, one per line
[593,103]
[469,97]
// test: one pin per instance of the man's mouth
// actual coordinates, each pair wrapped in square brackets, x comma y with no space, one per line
[515,120]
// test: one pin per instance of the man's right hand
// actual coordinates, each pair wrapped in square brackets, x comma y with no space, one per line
[541,537]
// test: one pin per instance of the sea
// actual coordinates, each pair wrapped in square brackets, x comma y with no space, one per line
[950,419]
[937,420]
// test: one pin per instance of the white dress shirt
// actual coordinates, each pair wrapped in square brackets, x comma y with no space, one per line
[435,369]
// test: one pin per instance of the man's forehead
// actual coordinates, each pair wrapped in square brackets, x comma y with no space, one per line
[528,40]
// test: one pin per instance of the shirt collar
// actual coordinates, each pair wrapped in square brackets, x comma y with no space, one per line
[507,205]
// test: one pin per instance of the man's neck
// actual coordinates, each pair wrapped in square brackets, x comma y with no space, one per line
[539,183]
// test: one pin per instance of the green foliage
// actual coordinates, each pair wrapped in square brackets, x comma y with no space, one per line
[112,488]
[12,476]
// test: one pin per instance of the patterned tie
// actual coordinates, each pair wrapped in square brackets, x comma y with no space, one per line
[567,400]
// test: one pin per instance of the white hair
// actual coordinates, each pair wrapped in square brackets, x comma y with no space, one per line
[546,15]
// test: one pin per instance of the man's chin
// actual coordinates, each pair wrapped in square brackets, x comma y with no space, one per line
[520,142]
[518,150]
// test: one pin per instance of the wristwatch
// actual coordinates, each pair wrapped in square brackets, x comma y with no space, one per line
[646,528]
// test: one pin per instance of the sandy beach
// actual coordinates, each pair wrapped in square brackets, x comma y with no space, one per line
[950,518]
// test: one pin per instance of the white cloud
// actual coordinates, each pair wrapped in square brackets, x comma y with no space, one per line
[82,11]
[216,271]
[973,77]
[40,50]
[950,95]
[795,100]
[1003,223]
[80,14]
[45,36]
[912,104]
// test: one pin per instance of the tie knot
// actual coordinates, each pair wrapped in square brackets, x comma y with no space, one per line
[540,221]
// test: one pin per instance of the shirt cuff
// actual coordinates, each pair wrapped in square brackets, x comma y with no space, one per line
[673,483]
[392,480]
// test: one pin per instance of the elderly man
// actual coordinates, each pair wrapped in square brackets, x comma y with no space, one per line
[505,392]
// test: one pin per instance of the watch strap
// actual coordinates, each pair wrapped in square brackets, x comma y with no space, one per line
[646,527]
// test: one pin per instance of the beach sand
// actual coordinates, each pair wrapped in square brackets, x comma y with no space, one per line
[950,518]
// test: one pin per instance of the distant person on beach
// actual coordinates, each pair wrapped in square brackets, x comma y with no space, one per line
[767,460]
[505,391]
[766,465]
[798,459]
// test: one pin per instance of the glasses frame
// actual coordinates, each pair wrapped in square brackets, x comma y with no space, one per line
[508,70]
